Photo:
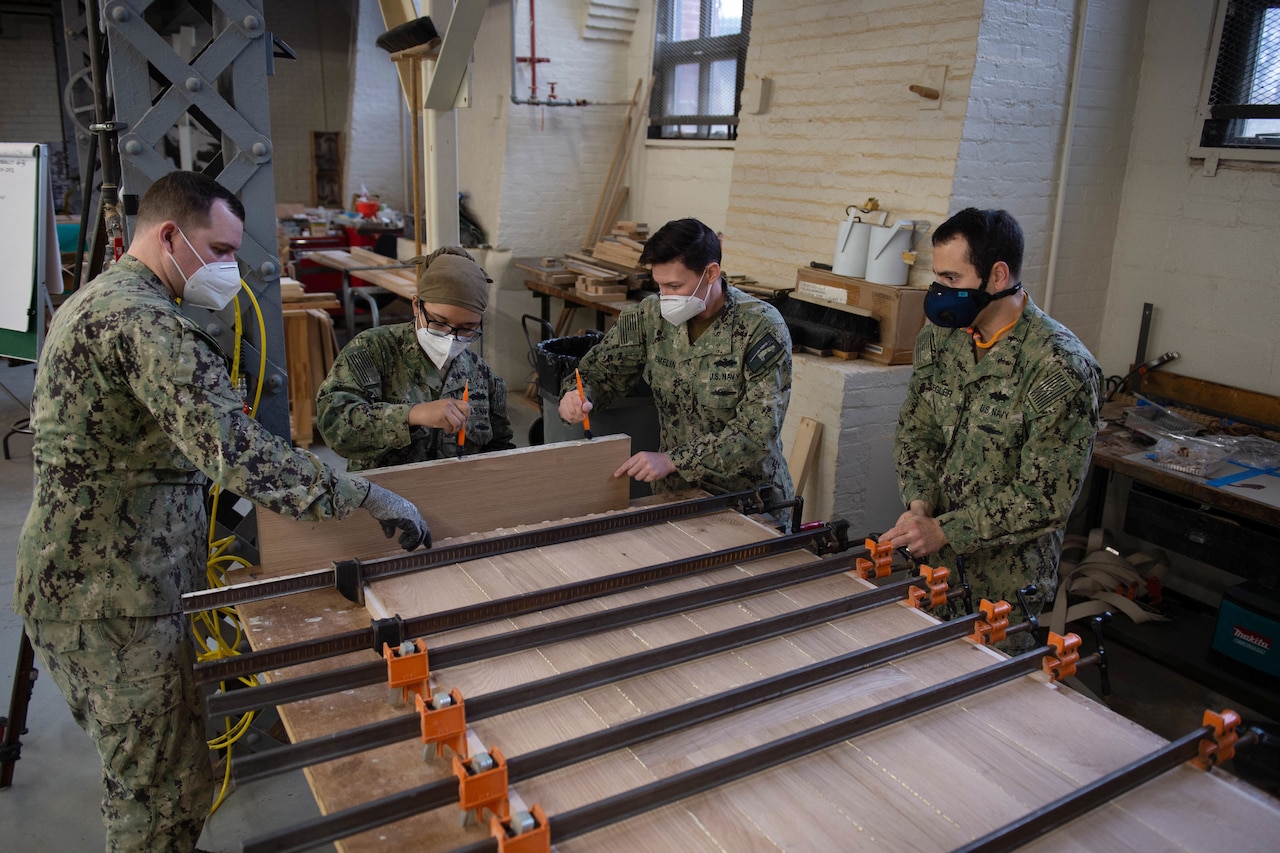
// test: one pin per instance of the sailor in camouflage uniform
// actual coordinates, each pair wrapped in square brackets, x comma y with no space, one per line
[394,393]
[132,411]
[718,361]
[995,436]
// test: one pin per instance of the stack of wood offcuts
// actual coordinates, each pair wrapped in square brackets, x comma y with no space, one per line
[621,248]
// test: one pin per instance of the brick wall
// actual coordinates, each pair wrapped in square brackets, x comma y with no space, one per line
[852,475]
[31,109]
[377,143]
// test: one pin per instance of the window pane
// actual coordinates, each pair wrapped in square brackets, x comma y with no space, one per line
[726,17]
[684,94]
[1265,84]
[724,87]
[686,18]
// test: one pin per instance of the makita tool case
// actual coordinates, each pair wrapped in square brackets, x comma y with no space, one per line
[1249,627]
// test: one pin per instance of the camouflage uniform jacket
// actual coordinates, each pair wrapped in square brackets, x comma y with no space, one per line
[720,400]
[1000,447]
[363,405]
[132,410]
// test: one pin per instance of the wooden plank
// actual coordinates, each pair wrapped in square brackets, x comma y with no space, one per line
[800,460]
[368,257]
[301,403]
[458,496]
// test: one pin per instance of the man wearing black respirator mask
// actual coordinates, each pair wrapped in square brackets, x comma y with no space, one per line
[995,436]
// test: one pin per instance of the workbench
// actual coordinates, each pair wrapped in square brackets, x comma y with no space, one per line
[572,301]
[375,270]
[933,782]
[1224,526]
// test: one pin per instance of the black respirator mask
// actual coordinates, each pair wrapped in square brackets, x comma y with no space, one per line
[958,307]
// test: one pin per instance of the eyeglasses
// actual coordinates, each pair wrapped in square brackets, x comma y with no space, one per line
[436,327]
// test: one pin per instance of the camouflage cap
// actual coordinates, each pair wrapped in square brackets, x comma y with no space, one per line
[449,276]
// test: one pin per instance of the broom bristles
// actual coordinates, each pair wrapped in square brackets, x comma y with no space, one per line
[407,35]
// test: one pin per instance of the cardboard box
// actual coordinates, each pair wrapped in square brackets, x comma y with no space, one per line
[900,310]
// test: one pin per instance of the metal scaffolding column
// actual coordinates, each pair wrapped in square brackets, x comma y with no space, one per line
[224,90]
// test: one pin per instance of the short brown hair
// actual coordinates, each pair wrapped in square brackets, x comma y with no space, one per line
[186,198]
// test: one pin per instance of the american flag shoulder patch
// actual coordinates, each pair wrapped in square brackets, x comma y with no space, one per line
[629,328]
[1057,385]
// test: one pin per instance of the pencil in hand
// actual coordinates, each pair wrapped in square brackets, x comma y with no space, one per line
[586,419]
[462,433]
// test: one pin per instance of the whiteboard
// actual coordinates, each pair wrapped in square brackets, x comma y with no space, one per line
[26,220]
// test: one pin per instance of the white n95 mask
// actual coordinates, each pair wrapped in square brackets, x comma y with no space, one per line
[213,286]
[678,310]
[441,349]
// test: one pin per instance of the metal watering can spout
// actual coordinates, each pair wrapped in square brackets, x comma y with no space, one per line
[902,224]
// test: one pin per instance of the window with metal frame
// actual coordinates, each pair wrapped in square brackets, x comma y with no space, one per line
[1239,114]
[699,52]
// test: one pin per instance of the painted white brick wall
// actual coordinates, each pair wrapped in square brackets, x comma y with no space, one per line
[550,162]
[310,93]
[31,109]
[1203,250]
[843,126]
[852,475]
[377,153]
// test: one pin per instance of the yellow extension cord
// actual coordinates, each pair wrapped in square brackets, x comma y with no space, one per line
[209,623]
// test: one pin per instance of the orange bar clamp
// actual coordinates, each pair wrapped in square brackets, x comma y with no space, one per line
[1223,746]
[482,784]
[524,833]
[937,582]
[444,723]
[879,564]
[994,624]
[1064,664]
[407,671]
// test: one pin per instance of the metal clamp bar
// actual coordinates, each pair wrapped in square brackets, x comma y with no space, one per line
[543,690]
[593,816]
[400,564]
[310,686]
[353,641]
[1083,800]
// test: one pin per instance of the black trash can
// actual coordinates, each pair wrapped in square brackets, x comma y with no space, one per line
[634,415]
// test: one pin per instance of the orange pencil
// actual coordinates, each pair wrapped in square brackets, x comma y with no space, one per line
[586,419]
[462,433]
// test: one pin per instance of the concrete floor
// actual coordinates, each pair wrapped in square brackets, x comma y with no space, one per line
[53,803]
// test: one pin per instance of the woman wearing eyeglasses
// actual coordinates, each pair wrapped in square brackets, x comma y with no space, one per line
[395,394]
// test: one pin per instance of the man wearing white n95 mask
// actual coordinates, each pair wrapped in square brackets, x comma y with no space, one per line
[133,413]
[718,361]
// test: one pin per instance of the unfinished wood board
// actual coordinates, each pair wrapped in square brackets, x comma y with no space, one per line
[458,496]
[805,447]
[928,784]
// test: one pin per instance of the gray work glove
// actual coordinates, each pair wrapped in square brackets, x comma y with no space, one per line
[397,513]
